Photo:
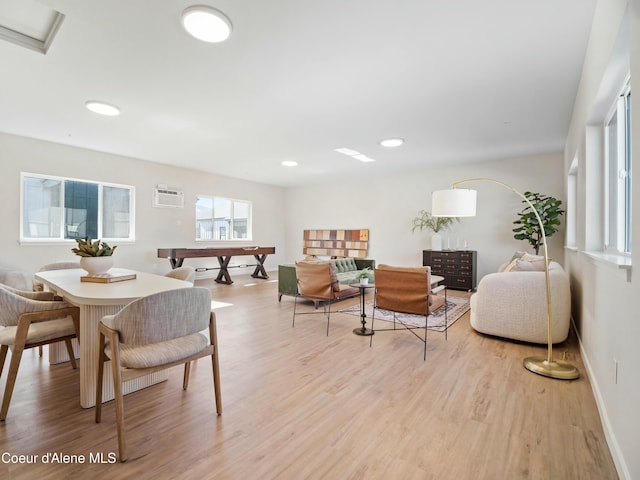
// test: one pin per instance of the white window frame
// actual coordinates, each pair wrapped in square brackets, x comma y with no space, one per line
[60,238]
[233,202]
[618,194]
[571,236]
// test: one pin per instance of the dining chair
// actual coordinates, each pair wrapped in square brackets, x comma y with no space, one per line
[154,333]
[28,320]
[318,282]
[407,290]
[185,273]
[38,286]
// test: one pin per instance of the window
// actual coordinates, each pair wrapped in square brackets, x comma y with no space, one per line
[222,219]
[571,236]
[618,175]
[54,208]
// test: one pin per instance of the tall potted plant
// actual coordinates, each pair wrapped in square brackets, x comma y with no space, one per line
[435,224]
[528,229]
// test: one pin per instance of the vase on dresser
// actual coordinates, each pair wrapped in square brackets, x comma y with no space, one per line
[436,242]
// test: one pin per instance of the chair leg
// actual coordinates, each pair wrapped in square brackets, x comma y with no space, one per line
[72,356]
[16,355]
[99,378]
[213,336]
[216,382]
[40,351]
[446,316]
[185,378]
[328,317]
[117,391]
[295,303]
[424,357]
[3,356]
[426,322]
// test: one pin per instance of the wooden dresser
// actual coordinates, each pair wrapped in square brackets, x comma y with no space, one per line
[458,267]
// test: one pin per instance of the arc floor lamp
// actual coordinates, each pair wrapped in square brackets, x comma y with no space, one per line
[459,202]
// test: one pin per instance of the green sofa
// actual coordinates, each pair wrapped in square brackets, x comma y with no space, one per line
[346,271]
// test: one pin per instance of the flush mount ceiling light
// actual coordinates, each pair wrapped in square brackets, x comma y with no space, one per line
[392,142]
[206,24]
[354,154]
[102,108]
[289,163]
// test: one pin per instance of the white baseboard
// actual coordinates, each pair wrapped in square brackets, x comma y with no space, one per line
[612,443]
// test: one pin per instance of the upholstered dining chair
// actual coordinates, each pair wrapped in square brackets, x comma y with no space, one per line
[38,286]
[185,273]
[31,319]
[407,290]
[153,333]
[318,282]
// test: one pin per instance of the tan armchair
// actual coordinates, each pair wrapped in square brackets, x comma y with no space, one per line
[28,320]
[407,290]
[318,282]
[154,333]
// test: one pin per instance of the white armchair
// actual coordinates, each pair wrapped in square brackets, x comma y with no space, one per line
[514,305]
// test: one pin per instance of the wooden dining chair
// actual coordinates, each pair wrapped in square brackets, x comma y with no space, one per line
[153,333]
[39,286]
[28,320]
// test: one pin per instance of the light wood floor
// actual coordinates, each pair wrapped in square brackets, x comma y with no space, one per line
[298,404]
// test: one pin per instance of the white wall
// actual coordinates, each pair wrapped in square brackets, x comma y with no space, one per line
[155,227]
[392,202]
[606,299]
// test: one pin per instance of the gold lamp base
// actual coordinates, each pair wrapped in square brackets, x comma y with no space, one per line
[554,369]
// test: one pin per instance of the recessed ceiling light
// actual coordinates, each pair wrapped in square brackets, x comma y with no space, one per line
[363,158]
[206,24]
[392,142]
[347,151]
[290,163]
[102,108]
[354,154]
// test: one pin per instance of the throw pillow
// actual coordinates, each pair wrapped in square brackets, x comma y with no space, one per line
[526,263]
[518,254]
[506,267]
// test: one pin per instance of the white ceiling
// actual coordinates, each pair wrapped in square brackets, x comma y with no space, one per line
[462,81]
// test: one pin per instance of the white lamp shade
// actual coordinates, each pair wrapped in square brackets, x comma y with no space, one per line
[456,202]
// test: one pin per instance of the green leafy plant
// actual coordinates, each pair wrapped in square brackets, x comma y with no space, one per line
[92,248]
[364,273]
[428,221]
[528,229]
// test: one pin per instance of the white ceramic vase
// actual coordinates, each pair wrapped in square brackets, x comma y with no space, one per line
[436,242]
[96,265]
[364,281]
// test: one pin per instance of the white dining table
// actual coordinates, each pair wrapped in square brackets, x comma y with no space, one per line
[96,300]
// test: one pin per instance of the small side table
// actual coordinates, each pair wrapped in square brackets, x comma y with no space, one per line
[363,330]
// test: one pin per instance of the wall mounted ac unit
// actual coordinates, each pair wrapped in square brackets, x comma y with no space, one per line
[167,197]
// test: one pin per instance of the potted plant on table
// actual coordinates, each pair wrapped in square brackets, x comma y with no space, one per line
[364,276]
[96,255]
[435,224]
